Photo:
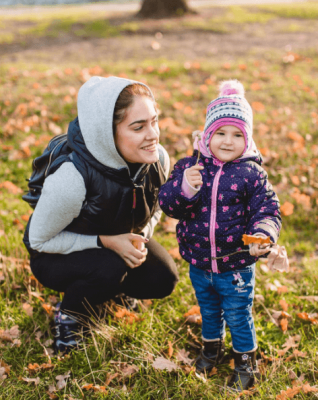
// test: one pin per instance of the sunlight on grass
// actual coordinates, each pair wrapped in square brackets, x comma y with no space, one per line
[307,10]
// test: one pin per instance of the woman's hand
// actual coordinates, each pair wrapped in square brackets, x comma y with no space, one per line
[258,250]
[129,246]
[194,176]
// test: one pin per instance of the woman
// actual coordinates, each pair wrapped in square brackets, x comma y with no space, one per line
[90,234]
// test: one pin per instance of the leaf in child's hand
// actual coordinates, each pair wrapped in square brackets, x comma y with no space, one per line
[163,363]
[248,239]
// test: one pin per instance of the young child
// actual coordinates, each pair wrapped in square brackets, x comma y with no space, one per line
[217,200]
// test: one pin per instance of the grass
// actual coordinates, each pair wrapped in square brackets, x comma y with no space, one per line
[80,23]
[36,100]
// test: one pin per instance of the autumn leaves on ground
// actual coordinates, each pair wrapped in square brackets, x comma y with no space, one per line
[148,354]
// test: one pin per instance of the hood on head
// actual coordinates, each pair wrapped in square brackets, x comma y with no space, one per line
[95,104]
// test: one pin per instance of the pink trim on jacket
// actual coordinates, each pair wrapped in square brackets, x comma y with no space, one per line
[213,214]
[188,190]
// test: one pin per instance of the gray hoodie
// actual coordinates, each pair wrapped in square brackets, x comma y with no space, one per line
[64,191]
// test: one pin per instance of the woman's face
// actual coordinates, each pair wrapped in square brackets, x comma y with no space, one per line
[137,136]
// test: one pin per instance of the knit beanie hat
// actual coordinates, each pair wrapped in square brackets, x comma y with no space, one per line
[230,108]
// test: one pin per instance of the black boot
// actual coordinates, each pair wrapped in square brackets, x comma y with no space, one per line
[211,355]
[245,373]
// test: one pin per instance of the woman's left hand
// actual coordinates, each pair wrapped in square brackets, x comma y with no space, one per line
[258,250]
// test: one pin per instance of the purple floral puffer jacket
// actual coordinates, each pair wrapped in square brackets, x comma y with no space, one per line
[235,198]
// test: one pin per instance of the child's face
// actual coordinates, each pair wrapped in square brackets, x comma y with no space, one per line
[227,143]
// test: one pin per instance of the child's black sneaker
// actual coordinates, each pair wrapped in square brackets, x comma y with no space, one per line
[211,355]
[245,373]
[67,332]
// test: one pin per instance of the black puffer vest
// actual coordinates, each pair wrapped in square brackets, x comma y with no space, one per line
[115,203]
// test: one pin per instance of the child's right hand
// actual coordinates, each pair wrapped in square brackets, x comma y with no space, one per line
[194,177]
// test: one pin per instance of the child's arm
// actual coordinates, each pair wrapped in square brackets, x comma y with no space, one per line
[263,207]
[178,195]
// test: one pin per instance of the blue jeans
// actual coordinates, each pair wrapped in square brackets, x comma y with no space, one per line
[226,297]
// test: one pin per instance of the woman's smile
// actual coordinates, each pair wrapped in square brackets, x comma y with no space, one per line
[137,136]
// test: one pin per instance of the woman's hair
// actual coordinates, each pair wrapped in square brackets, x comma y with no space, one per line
[126,99]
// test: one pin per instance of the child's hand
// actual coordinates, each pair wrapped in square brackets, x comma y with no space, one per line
[258,250]
[193,175]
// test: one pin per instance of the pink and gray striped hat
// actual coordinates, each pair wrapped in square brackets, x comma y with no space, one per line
[230,108]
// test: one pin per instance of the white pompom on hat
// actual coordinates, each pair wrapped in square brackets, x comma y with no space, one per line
[230,108]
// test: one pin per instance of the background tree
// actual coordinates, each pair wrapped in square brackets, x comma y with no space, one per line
[163,8]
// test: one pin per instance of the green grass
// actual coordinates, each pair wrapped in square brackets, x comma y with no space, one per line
[288,89]
[76,22]
[308,10]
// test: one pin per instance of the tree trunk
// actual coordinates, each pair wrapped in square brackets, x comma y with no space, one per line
[162,8]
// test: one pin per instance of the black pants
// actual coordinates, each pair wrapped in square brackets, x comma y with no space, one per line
[96,275]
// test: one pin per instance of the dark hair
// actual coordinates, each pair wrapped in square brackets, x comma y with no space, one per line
[126,99]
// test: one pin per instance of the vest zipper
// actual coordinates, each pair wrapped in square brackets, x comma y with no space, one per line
[133,209]
[213,217]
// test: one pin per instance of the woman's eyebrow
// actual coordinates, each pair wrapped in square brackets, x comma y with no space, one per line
[138,122]
[141,121]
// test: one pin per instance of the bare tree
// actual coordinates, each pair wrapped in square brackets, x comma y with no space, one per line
[163,8]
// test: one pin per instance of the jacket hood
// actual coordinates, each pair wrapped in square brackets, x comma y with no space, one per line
[95,104]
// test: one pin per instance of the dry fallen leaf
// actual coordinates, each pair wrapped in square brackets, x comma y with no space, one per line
[28,309]
[312,299]
[193,315]
[164,363]
[308,317]
[11,187]
[129,370]
[248,239]
[287,208]
[291,342]
[175,253]
[9,335]
[128,316]
[284,324]
[283,304]
[61,380]
[182,356]
[170,349]
[36,381]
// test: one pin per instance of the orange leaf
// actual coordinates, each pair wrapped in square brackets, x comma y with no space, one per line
[11,187]
[284,324]
[193,310]
[282,289]
[48,308]
[287,208]
[247,239]
[255,86]
[283,304]
[175,253]
[307,317]
[296,137]
[128,316]
[295,180]
[258,106]
[170,350]
[178,105]
[88,386]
